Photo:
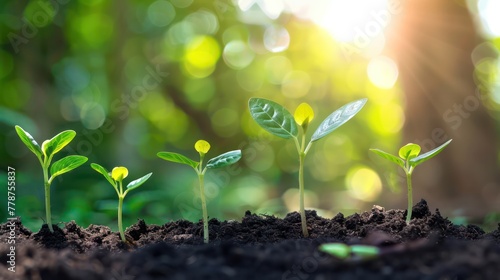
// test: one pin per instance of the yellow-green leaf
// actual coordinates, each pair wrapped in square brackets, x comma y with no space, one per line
[304,114]
[409,151]
[202,146]
[29,142]
[119,173]
[54,145]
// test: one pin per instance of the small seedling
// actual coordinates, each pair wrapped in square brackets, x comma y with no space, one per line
[202,147]
[350,252]
[408,159]
[45,154]
[278,121]
[115,178]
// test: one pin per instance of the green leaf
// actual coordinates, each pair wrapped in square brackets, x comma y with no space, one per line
[338,118]
[66,164]
[426,156]
[104,172]
[338,250]
[365,251]
[273,117]
[178,158]
[224,159]
[29,142]
[54,145]
[390,157]
[409,151]
[138,182]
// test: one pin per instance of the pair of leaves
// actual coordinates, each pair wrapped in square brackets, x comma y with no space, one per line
[216,162]
[410,153]
[49,148]
[343,251]
[278,121]
[132,185]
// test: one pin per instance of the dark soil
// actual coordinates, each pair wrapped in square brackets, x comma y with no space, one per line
[259,247]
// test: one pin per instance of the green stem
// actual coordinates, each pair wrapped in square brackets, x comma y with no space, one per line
[303,221]
[410,197]
[120,222]
[47,198]
[203,207]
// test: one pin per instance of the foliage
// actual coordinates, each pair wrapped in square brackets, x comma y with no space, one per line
[277,120]
[115,178]
[350,252]
[202,147]
[408,159]
[45,154]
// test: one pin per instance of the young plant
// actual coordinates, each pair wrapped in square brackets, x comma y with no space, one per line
[355,252]
[115,178]
[278,121]
[202,147]
[45,154]
[408,159]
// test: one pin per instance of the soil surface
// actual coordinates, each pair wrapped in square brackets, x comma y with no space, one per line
[258,247]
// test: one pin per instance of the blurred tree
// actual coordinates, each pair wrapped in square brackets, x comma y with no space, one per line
[433,46]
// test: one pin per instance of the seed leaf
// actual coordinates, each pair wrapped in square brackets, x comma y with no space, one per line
[409,151]
[338,118]
[273,117]
[103,171]
[138,182]
[365,251]
[426,156]
[390,157]
[66,164]
[339,250]
[29,142]
[178,158]
[54,145]
[224,159]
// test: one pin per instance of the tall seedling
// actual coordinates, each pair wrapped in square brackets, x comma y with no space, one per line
[278,121]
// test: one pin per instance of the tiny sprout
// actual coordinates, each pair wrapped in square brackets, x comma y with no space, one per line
[45,153]
[202,147]
[354,252]
[408,159]
[278,121]
[115,178]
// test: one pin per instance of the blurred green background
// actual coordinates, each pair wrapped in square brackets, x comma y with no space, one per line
[133,78]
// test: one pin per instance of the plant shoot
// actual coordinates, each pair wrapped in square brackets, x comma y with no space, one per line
[115,178]
[278,121]
[202,147]
[45,154]
[408,159]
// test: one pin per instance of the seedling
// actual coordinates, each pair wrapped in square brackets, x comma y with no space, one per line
[45,154]
[408,159]
[202,147]
[278,121]
[115,178]
[353,252]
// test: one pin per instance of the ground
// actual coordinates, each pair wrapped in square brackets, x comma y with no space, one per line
[258,247]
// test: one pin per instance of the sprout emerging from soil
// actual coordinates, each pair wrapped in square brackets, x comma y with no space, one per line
[115,178]
[352,252]
[202,147]
[408,159]
[278,121]
[45,154]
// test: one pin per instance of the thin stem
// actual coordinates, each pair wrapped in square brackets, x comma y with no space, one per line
[203,207]
[47,197]
[410,197]
[301,195]
[120,222]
